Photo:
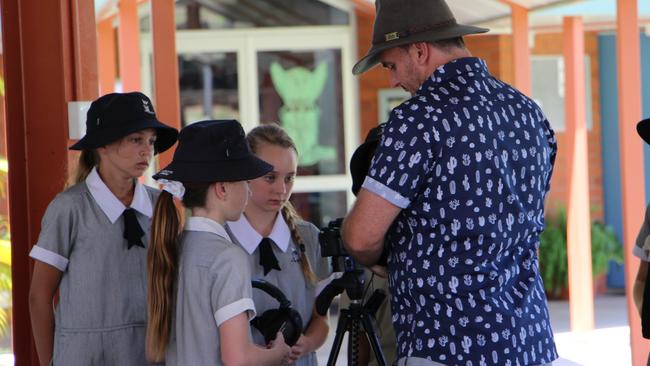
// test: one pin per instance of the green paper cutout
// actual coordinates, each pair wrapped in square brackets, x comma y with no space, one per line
[299,89]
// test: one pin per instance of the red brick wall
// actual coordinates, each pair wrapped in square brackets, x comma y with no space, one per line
[551,44]
[369,82]
[497,51]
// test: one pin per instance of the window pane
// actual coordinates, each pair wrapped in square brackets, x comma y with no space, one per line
[549,88]
[320,208]
[302,91]
[208,86]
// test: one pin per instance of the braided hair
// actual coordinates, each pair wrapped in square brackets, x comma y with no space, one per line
[273,134]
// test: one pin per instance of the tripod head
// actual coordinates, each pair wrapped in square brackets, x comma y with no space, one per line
[357,319]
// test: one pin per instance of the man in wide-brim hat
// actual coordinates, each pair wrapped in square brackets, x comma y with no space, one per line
[455,195]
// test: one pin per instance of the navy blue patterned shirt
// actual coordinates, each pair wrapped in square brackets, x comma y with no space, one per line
[469,160]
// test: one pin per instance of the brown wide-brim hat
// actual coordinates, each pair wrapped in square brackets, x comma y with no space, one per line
[401,22]
[643,129]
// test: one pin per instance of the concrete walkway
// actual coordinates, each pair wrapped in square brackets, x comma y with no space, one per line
[607,345]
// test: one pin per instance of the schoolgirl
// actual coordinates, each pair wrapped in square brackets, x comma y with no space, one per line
[641,288]
[200,299]
[283,249]
[92,244]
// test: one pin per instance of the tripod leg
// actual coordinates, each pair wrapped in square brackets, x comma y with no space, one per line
[353,341]
[371,332]
[341,328]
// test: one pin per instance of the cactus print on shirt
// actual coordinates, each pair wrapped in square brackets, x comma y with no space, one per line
[469,160]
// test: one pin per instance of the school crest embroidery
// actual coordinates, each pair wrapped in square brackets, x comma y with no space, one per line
[147,107]
[295,256]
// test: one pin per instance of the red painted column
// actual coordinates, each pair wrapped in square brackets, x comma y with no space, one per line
[50,59]
[129,45]
[581,297]
[521,49]
[166,93]
[628,56]
[106,53]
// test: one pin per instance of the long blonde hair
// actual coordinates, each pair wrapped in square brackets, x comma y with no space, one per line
[162,266]
[88,159]
[273,134]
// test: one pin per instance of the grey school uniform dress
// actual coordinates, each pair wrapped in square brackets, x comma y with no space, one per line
[100,318]
[290,280]
[214,285]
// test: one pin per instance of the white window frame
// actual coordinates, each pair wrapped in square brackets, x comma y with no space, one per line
[246,43]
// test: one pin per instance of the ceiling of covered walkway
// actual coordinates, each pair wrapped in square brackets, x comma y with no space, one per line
[545,15]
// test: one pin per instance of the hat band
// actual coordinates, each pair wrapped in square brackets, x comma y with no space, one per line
[392,36]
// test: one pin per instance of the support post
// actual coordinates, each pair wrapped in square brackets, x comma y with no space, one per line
[581,296]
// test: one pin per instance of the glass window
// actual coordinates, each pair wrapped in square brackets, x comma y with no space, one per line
[208,86]
[228,14]
[549,86]
[320,208]
[301,90]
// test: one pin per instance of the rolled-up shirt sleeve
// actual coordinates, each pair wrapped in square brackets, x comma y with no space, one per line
[231,291]
[403,158]
[56,238]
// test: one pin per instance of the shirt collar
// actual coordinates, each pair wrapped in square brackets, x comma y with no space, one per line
[249,238]
[453,69]
[110,204]
[198,223]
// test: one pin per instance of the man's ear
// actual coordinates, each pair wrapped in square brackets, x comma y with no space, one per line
[420,52]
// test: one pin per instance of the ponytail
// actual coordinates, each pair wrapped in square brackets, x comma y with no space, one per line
[88,159]
[162,259]
[291,217]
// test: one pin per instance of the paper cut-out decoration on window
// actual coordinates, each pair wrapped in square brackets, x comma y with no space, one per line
[300,89]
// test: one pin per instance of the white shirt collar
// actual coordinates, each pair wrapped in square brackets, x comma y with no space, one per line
[198,223]
[249,238]
[110,204]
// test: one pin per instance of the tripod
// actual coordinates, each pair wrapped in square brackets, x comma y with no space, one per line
[357,317]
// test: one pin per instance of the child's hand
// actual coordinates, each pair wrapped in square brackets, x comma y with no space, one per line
[299,349]
[281,347]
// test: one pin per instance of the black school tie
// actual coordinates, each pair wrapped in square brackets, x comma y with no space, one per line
[132,230]
[267,257]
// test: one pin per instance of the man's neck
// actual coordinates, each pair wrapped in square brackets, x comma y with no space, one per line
[446,56]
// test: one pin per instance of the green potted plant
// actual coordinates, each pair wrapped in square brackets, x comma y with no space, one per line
[605,246]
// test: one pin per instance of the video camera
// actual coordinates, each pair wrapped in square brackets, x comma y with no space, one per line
[331,245]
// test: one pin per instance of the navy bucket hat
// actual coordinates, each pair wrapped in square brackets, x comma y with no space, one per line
[115,115]
[643,129]
[213,151]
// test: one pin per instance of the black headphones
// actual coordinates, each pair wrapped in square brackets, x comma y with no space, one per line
[284,319]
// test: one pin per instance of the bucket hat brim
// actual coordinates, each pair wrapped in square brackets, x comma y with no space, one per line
[247,168]
[643,129]
[165,136]
[371,58]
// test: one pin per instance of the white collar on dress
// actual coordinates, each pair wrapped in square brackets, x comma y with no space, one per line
[112,206]
[250,238]
[199,223]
